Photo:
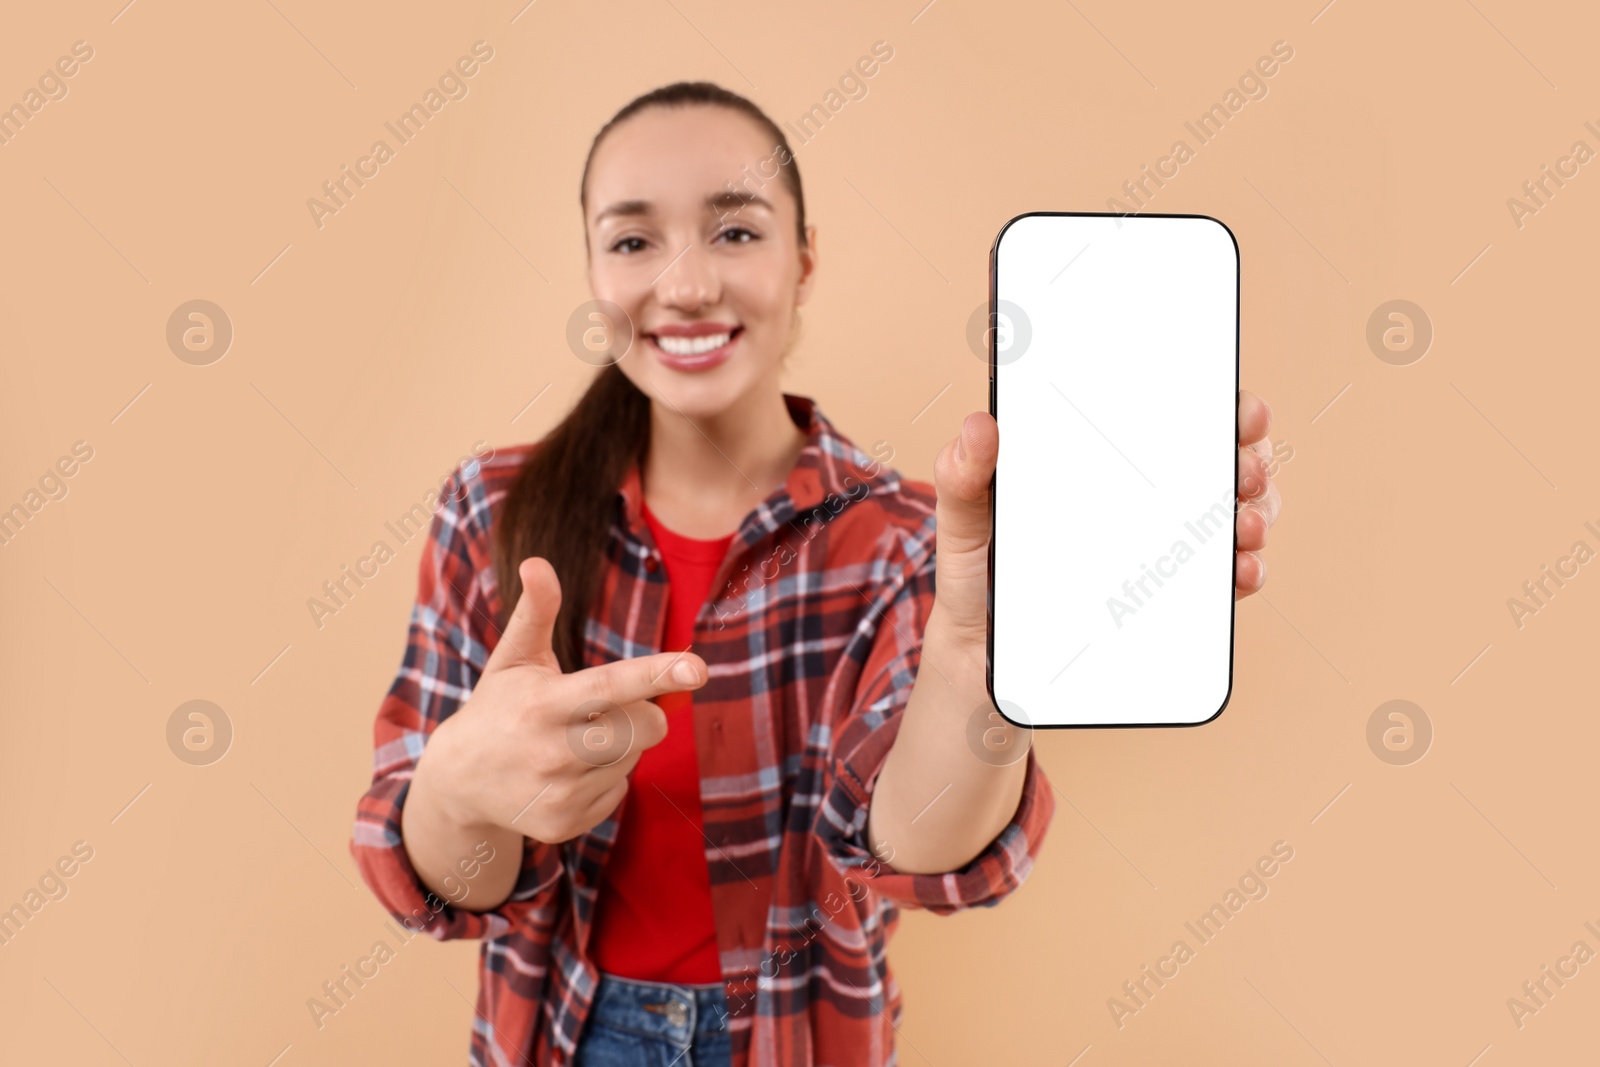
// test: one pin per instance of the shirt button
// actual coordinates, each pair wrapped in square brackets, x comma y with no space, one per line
[651,564]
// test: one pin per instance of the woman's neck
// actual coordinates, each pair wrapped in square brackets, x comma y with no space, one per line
[703,476]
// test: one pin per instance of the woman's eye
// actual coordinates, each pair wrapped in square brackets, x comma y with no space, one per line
[628,245]
[738,235]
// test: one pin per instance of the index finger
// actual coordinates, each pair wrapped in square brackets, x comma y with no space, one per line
[1254,417]
[627,681]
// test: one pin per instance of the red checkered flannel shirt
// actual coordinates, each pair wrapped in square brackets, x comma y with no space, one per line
[813,646]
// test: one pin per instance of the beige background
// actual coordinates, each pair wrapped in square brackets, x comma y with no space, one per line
[370,354]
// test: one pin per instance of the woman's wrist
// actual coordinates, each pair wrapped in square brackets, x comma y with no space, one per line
[438,781]
[444,837]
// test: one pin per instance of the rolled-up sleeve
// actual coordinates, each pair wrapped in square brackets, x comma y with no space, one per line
[451,634]
[862,742]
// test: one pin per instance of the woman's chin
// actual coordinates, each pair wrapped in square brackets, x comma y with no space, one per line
[703,395]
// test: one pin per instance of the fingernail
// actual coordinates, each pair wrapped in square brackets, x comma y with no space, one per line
[685,672]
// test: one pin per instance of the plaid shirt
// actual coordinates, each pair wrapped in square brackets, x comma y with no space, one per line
[813,646]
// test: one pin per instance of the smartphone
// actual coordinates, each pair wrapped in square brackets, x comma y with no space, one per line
[1114,378]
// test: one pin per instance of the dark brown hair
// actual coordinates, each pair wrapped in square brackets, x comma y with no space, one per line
[562,503]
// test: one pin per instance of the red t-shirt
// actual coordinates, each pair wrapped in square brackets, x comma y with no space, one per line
[653,917]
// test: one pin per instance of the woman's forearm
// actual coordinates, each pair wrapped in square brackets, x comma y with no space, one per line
[937,804]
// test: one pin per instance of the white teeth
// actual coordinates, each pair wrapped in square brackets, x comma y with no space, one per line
[692,346]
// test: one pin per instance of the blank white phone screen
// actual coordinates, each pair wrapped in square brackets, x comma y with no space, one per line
[1116,376]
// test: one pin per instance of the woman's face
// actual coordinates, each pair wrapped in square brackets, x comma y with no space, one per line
[691,239]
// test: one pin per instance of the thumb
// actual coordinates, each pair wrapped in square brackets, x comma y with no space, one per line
[527,639]
[961,475]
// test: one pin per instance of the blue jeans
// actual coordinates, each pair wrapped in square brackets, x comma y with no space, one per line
[654,1024]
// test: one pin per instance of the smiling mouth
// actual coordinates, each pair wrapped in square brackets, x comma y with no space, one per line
[694,346]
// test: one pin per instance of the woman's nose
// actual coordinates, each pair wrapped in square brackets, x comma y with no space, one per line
[689,281]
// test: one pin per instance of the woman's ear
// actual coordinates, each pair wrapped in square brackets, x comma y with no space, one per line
[808,267]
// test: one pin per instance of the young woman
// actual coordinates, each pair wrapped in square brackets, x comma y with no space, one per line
[683,717]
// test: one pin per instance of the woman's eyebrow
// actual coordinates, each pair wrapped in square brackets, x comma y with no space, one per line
[625,207]
[735,200]
[722,203]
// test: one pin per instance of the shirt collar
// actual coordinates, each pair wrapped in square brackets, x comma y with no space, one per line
[830,465]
